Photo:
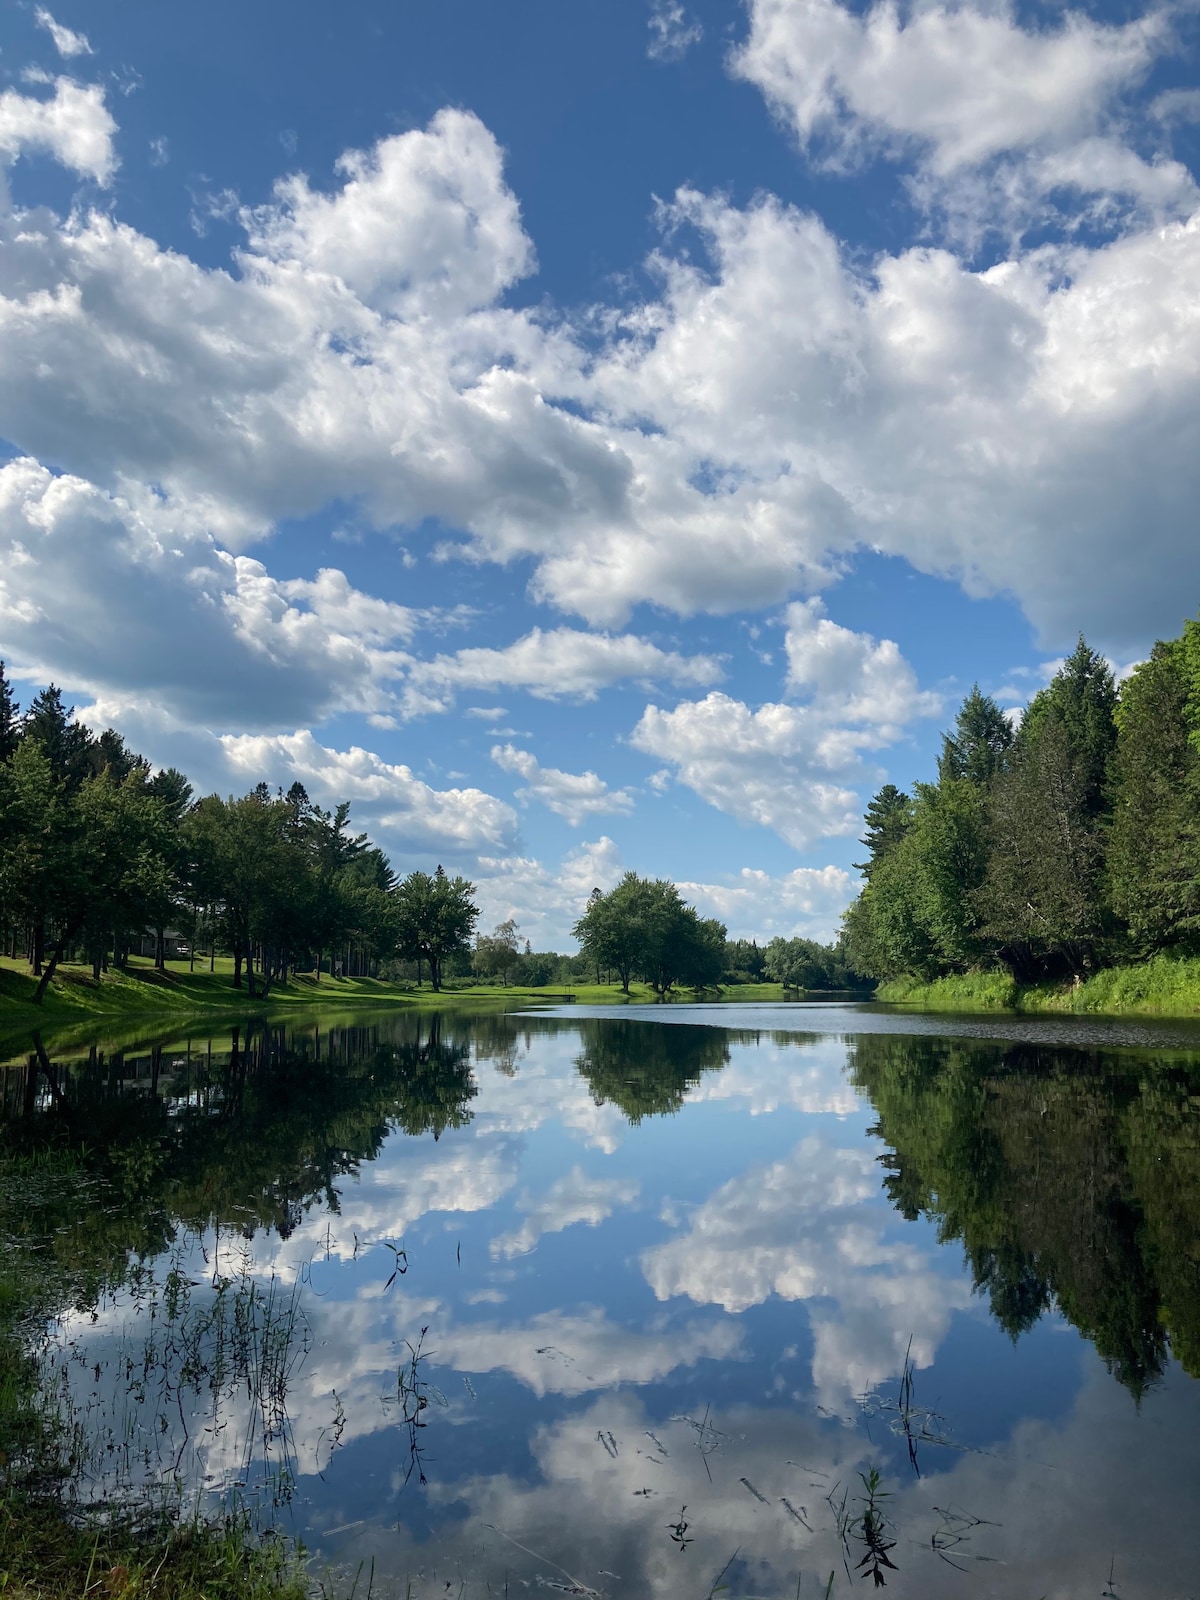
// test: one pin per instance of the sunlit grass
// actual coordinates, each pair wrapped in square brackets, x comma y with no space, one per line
[1165,986]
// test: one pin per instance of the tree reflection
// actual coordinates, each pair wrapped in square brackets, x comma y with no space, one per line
[646,1068]
[1072,1179]
[247,1132]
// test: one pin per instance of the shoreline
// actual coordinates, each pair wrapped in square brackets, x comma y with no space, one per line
[1164,986]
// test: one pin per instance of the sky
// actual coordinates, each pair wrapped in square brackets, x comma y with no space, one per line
[592,437]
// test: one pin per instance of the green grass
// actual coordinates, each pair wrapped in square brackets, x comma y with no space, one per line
[1164,986]
[75,997]
[972,991]
[45,1554]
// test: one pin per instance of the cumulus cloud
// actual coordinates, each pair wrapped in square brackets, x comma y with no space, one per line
[964,88]
[555,663]
[576,1197]
[67,42]
[545,901]
[573,795]
[788,767]
[117,594]
[806,903]
[387,798]
[558,1352]
[73,126]
[756,765]
[769,409]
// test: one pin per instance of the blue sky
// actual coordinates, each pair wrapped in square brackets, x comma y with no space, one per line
[591,437]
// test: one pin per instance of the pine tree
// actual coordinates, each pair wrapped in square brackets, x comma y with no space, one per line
[978,748]
[1083,697]
[66,743]
[9,721]
[1154,849]
[887,820]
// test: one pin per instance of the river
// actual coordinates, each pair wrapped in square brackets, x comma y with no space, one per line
[692,1301]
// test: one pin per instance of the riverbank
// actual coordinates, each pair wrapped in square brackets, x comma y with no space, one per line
[46,1554]
[1164,986]
[75,997]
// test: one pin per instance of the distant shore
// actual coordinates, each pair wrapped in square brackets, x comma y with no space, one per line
[139,992]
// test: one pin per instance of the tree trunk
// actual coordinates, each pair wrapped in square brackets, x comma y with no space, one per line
[435,973]
[160,950]
[43,983]
[237,965]
[38,945]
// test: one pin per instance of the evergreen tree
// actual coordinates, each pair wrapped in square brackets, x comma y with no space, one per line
[979,745]
[1040,901]
[1082,697]
[67,744]
[887,819]
[10,725]
[1153,862]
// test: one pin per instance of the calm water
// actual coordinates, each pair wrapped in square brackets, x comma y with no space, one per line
[631,1304]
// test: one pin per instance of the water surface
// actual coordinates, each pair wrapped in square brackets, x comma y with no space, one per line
[635,1303]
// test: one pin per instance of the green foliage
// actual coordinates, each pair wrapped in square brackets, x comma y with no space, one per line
[644,1068]
[887,819]
[917,913]
[643,929]
[96,849]
[496,954]
[978,748]
[804,964]
[435,917]
[1005,862]
[1069,1182]
[1153,863]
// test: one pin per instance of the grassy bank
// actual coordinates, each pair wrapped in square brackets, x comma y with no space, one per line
[47,1555]
[75,997]
[1165,986]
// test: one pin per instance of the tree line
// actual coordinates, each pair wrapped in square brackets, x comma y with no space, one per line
[96,848]
[102,857]
[1050,849]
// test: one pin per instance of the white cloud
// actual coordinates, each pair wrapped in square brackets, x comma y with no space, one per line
[758,766]
[853,678]
[673,31]
[788,767]
[125,595]
[398,808]
[964,87]
[573,795]
[546,902]
[556,663]
[557,1352]
[766,412]
[74,127]
[812,1228]
[423,224]
[576,1197]
[807,902]
[67,42]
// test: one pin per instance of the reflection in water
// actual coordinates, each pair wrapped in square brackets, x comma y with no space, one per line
[646,1069]
[506,1299]
[1072,1179]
